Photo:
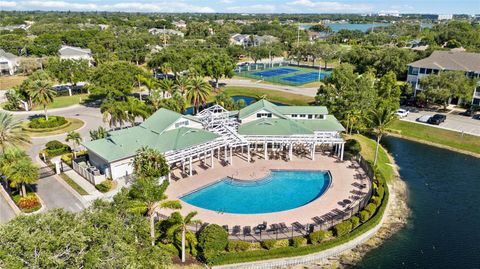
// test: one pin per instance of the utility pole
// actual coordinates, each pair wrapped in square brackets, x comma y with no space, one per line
[298,37]
[164,38]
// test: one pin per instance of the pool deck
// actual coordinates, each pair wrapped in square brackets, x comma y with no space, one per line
[344,186]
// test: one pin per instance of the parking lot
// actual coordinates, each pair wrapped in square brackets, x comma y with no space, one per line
[454,121]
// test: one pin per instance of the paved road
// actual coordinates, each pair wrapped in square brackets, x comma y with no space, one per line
[454,121]
[6,212]
[55,195]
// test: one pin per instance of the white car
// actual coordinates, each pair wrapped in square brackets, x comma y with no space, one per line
[424,118]
[402,113]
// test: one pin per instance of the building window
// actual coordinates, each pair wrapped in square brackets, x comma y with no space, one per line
[294,115]
[310,116]
[429,71]
[180,124]
[264,115]
[413,71]
[423,70]
[319,116]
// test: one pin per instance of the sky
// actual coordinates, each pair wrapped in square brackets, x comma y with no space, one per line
[252,6]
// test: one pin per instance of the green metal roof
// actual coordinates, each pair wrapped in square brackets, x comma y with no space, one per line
[270,126]
[161,120]
[126,144]
[257,106]
[329,124]
[302,109]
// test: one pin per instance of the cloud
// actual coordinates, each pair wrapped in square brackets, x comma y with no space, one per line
[5,4]
[309,6]
[227,1]
[160,6]
[259,8]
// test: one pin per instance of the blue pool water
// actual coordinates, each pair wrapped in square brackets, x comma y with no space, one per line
[275,72]
[279,191]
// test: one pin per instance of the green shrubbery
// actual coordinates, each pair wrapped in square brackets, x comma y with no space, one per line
[268,244]
[318,236]
[105,186]
[212,240]
[364,216]
[343,228]
[67,158]
[355,221]
[298,241]
[371,208]
[238,246]
[353,147]
[54,148]
[42,123]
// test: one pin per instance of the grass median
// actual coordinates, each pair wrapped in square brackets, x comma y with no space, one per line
[74,125]
[421,132]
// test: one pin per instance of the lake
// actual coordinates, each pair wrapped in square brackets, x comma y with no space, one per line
[444,198]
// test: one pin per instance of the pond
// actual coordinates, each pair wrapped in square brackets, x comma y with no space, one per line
[444,197]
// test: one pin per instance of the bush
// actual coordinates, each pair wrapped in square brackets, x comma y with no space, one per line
[343,228]
[212,240]
[298,241]
[380,192]
[355,221]
[238,246]
[29,202]
[42,123]
[104,186]
[54,144]
[376,201]
[353,147]
[268,244]
[371,208]
[67,158]
[317,237]
[364,216]
[282,243]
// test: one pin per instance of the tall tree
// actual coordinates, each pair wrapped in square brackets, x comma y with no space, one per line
[22,172]
[68,71]
[198,92]
[379,118]
[75,138]
[150,163]
[43,94]
[113,113]
[181,84]
[219,65]
[98,133]
[180,225]
[11,132]
[166,86]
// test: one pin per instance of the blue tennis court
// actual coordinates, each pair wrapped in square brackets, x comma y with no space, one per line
[305,77]
[275,72]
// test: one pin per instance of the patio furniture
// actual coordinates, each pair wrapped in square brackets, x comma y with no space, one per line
[247,230]
[298,226]
[236,230]
[283,227]
[225,227]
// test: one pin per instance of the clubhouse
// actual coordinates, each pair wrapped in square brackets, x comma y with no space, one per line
[262,128]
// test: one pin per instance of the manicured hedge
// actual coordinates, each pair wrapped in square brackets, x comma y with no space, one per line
[268,244]
[364,216]
[317,237]
[104,186]
[342,228]
[39,130]
[297,242]
[212,240]
[238,246]
[67,158]
[371,208]
[42,123]
[355,221]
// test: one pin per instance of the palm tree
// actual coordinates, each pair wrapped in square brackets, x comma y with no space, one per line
[75,138]
[165,85]
[198,92]
[181,84]
[147,196]
[379,119]
[180,225]
[11,132]
[99,133]
[43,94]
[22,172]
[134,108]
[113,113]
[155,99]
[150,83]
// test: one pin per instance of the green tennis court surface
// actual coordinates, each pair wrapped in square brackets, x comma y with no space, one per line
[288,75]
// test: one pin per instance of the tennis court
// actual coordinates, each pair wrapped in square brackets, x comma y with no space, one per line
[275,72]
[283,74]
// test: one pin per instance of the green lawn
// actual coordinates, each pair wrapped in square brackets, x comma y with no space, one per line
[272,95]
[73,184]
[64,101]
[74,125]
[435,135]
[368,152]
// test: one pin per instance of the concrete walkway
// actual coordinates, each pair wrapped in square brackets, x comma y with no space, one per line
[6,212]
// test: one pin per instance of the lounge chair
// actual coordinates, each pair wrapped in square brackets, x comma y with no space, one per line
[318,220]
[225,227]
[236,230]
[275,227]
[247,230]
[283,227]
[298,226]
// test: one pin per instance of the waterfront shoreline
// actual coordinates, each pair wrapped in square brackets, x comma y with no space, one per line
[476,155]
[397,214]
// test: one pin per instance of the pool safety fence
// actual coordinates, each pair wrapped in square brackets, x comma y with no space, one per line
[263,231]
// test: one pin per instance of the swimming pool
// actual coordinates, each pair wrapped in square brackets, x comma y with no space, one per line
[280,190]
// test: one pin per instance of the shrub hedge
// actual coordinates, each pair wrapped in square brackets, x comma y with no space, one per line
[297,242]
[67,158]
[268,244]
[355,221]
[342,228]
[212,240]
[371,208]
[104,186]
[317,237]
[238,246]
[353,147]
[42,123]
[364,216]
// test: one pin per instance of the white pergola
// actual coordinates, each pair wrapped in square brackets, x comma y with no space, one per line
[218,120]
